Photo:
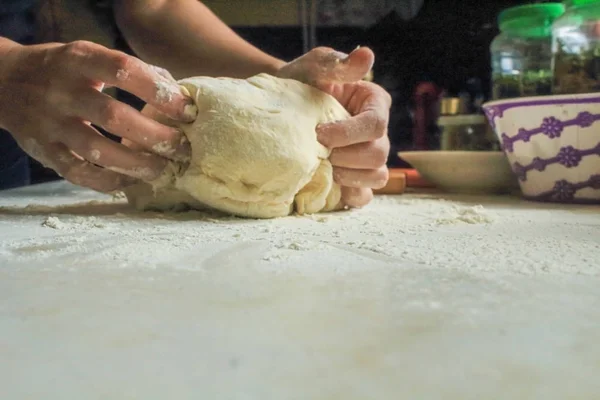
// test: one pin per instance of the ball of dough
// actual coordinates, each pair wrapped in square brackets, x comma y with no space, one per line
[254,150]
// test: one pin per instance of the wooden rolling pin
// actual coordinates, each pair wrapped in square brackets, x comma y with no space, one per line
[400,178]
[396,184]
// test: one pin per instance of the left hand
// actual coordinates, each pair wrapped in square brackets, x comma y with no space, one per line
[360,144]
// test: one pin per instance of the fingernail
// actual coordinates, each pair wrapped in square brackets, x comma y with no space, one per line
[190,111]
[322,131]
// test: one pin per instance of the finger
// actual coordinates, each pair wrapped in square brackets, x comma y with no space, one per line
[369,155]
[370,105]
[356,197]
[358,96]
[162,72]
[90,145]
[118,69]
[365,127]
[361,178]
[125,121]
[83,173]
[339,67]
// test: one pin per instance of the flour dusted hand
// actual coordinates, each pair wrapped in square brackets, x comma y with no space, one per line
[254,150]
[51,94]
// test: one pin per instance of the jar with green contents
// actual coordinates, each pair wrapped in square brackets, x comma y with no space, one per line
[522,52]
[576,48]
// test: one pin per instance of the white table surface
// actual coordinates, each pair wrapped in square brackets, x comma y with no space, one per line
[413,297]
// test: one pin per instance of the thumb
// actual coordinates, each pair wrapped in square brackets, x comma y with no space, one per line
[339,67]
[324,65]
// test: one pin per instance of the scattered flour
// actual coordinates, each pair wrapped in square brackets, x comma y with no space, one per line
[393,229]
[122,75]
[470,215]
[165,91]
[70,223]
[163,147]
[53,222]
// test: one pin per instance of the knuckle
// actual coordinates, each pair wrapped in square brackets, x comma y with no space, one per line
[79,48]
[91,154]
[379,91]
[379,125]
[380,156]
[70,171]
[121,61]
[109,113]
[357,197]
[321,51]
[382,175]
[388,97]
[81,173]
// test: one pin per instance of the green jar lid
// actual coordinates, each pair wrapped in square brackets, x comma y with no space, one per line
[577,3]
[531,20]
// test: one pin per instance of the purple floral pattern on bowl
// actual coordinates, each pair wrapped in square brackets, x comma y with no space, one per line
[559,131]
[586,119]
[567,156]
[595,181]
[565,191]
[550,126]
[538,164]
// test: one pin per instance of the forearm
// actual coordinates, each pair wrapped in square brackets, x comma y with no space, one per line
[187,39]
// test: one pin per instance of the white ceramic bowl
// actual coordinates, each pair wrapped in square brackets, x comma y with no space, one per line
[552,143]
[464,171]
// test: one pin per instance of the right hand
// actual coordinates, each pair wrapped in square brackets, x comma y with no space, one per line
[51,94]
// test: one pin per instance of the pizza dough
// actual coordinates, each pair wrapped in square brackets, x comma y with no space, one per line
[254,150]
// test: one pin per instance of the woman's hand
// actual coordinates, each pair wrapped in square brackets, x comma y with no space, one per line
[360,145]
[51,94]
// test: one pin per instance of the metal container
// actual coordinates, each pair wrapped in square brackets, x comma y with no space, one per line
[453,106]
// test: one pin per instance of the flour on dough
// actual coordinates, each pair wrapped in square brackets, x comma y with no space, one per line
[254,150]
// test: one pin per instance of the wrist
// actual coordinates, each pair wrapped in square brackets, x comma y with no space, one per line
[7,49]
[275,66]
[7,43]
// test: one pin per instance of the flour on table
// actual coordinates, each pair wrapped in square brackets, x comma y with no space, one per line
[254,150]
[470,215]
[75,223]
[53,222]
[395,230]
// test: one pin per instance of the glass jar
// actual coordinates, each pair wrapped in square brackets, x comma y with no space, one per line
[466,132]
[576,48]
[522,52]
